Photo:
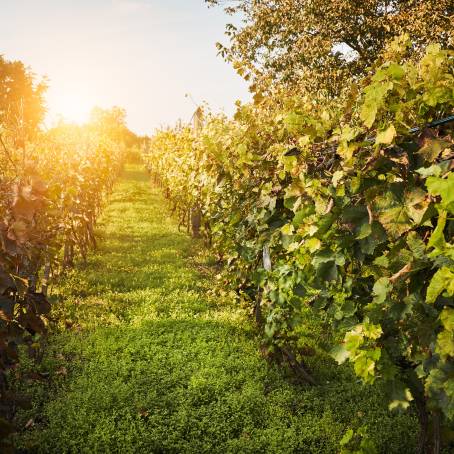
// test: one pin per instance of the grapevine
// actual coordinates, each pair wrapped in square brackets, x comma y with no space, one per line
[359,231]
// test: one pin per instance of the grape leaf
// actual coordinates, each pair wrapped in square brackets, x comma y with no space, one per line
[443,279]
[387,136]
[443,188]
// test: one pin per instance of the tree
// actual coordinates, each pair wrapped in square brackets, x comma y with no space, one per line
[112,123]
[22,107]
[316,45]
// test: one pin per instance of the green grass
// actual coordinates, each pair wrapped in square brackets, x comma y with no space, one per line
[144,359]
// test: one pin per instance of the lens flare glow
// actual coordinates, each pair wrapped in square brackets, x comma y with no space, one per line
[73,108]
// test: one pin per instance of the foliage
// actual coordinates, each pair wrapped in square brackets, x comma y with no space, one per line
[314,45]
[366,446]
[358,229]
[21,99]
[51,193]
[111,123]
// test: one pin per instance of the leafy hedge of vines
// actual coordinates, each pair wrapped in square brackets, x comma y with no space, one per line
[333,206]
[51,192]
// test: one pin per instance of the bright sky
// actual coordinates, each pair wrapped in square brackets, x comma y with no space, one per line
[143,55]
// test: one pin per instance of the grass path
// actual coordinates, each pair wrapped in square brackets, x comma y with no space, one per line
[145,361]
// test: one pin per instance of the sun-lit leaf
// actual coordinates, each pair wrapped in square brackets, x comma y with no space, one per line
[387,136]
[340,354]
[442,280]
[444,188]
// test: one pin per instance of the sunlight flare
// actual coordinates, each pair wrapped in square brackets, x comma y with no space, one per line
[74,108]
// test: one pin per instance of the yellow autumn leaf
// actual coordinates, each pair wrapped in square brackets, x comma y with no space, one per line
[387,136]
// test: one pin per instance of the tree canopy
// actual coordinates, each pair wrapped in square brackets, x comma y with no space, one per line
[317,44]
[22,107]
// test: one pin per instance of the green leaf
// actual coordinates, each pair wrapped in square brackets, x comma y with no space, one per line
[364,231]
[349,133]
[347,437]
[437,239]
[368,113]
[289,202]
[398,209]
[395,70]
[381,289]
[416,245]
[395,220]
[313,244]
[288,229]
[447,318]
[337,176]
[323,257]
[302,214]
[293,121]
[443,188]
[354,339]
[340,354]
[372,331]
[401,398]
[377,237]
[374,100]
[433,170]
[443,279]
[445,343]
[417,202]
[382,261]
[415,196]
[355,214]
[365,364]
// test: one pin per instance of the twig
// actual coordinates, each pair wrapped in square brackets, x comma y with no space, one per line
[405,270]
[330,206]
[371,215]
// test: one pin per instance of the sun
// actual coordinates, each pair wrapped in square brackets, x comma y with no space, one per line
[73,108]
